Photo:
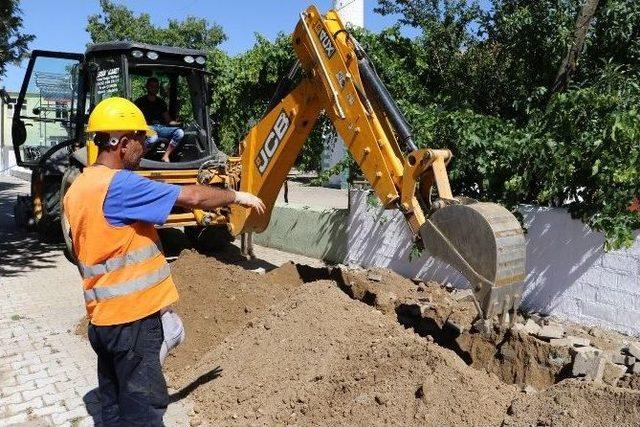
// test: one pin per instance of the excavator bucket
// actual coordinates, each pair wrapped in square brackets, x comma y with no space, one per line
[485,242]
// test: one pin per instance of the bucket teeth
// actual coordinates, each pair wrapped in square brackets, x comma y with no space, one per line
[485,242]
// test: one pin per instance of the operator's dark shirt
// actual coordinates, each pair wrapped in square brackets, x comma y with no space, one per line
[153,111]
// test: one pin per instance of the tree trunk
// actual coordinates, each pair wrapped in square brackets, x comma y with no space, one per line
[569,64]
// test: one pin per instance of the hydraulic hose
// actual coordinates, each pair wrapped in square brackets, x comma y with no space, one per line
[382,98]
[284,87]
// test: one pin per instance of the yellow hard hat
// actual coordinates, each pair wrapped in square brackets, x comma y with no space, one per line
[117,115]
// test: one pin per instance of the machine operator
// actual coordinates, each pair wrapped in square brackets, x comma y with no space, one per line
[156,113]
[127,281]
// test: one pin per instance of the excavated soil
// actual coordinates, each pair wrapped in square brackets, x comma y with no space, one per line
[320,357]
[432,311]
[318,346]
[324,346]
[574,403]
[217,299]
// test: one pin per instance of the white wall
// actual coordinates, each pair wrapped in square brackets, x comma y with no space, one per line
[568,273]
[378,237]
[7,159]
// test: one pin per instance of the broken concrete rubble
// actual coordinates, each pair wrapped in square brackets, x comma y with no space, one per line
[561,342]
[552,330]
[376,277]
[579,341]
[531,327]
[622,359]
[612,373]
[463,295]
[536,317]
[588,362]
[634,349]
[617,358]
[569,341]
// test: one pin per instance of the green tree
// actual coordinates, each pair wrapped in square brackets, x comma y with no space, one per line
[244,84]
[488,101]
[117,22]
[13,42]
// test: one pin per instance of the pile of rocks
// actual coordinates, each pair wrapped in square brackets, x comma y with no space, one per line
[587,360]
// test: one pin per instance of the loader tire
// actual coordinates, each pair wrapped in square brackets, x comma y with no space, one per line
[67,179]
[23,212]
[209,239]
[45,195]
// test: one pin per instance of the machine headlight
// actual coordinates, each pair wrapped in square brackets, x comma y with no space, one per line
[188,59]
[152,55]
[137,53]
[200,60]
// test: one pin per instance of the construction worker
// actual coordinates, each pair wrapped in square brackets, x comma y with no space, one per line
[127,281]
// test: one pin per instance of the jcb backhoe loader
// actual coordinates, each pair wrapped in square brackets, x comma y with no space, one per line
[333,74]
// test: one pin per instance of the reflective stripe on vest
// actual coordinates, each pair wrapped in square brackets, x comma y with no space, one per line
[133,257]
[102,293]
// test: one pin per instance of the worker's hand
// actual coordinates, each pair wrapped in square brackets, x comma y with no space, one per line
[248,200]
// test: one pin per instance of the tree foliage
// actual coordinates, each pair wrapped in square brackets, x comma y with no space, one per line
[475,81]
[489,102]
[117,22]
[13,42]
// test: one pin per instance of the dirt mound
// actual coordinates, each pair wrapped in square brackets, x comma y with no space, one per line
[217,298]
[576,403]
[367,347]
[319,357]
[364,347]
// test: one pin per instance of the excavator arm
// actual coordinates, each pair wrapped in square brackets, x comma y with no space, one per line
[483,241]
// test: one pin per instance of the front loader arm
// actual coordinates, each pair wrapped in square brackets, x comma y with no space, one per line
[481,240]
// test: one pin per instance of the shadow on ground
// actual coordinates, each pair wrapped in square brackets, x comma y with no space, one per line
[20,250]
[92,398]
[192,386]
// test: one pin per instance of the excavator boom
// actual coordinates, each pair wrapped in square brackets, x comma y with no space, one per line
[483,241]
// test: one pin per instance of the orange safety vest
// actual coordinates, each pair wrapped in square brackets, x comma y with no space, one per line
[125,276]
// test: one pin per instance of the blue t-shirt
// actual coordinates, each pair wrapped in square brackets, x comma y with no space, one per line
[131,198]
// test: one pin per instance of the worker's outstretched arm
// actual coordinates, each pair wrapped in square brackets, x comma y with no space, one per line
[209,198]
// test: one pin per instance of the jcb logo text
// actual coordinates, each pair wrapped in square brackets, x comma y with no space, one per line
[273,141]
